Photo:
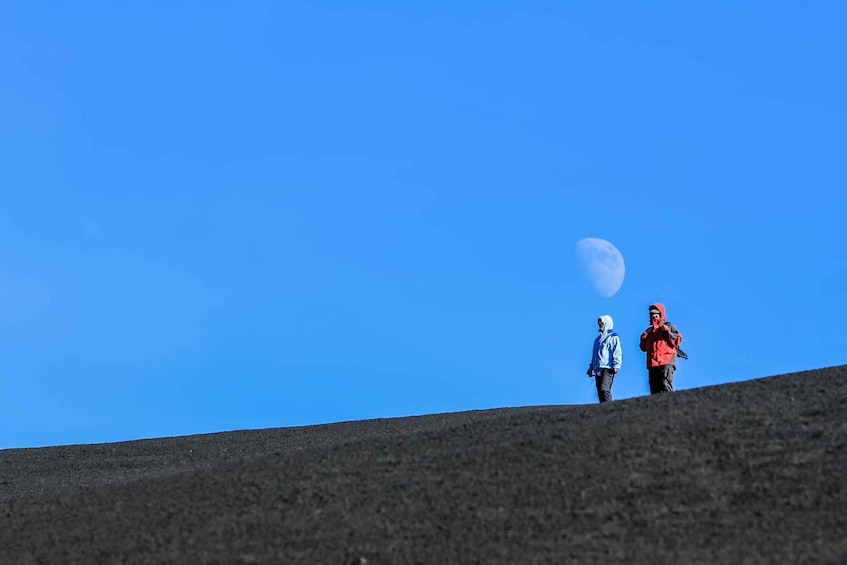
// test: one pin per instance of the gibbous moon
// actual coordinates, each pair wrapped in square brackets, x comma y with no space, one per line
[602,264]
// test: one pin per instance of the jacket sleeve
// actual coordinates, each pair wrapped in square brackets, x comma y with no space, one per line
[591,360]
[617,353]
[643,341]
[674,337]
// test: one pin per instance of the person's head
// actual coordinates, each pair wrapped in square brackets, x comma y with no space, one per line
[657,313]
[605,323]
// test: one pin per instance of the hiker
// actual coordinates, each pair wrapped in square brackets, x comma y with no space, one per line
[606,358]
[661,343]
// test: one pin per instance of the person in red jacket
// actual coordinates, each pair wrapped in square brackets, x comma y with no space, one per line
[661,344]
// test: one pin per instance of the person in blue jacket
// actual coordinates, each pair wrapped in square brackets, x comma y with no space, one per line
[606,357]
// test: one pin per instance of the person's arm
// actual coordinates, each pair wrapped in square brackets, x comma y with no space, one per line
[643,342]
[673,336]
[617,354]
[595,346]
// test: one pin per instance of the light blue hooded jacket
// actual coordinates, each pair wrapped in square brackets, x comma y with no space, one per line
[607,352]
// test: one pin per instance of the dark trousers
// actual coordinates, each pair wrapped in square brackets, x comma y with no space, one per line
[604,384]
[661,378]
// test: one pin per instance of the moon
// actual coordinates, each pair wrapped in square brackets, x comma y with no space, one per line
[602,264]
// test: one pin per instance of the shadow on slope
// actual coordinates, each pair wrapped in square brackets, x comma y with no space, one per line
[749,471]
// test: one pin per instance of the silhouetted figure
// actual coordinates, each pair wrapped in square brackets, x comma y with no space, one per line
[606,357]
[661,343]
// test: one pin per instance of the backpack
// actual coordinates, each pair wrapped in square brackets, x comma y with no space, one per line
[679,352]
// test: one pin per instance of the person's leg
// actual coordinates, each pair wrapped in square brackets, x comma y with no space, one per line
[604,385]
[654,375]
[667,378]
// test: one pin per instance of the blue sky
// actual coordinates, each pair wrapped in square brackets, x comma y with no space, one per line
[229,215]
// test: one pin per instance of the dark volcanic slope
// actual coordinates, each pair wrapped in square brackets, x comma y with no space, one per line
[744,472]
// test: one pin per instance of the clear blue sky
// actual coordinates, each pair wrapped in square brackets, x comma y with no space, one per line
[229,215]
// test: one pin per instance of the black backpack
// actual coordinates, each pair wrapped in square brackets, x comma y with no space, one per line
[679,352]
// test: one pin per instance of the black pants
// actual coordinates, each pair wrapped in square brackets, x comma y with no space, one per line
[604,384]
[661,378]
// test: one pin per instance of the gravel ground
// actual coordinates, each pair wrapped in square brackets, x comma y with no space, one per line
[750,472]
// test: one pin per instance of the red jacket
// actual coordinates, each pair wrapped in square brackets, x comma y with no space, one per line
[660,341]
